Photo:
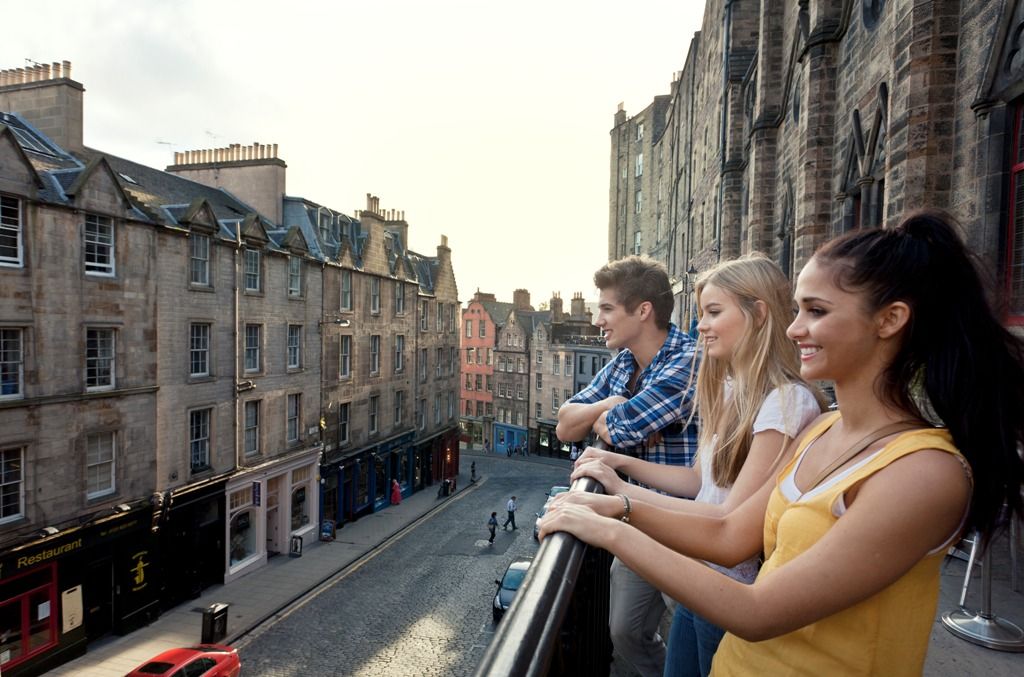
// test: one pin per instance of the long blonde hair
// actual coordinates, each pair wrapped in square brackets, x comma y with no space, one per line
[763,359]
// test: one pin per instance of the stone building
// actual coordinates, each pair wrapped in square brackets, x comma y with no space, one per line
[555,344]
[173,371]
[512,393]
[791,123]
[481,319]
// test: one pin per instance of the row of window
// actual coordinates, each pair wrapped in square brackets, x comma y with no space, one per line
[505,390]
[479,381]
[480,408]
[481,326]
[444,358]
[509,416]
[100,476]
[478,352]
[99,360]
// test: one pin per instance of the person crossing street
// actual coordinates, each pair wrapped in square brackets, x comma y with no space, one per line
[511,507]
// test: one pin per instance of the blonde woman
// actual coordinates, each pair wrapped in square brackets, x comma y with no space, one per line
[752,402]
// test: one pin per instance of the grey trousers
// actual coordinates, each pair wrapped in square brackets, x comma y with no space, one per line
[635,609]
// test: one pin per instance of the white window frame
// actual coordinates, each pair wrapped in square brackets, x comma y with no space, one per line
[12,483]
[252,351]
[639,165]
[375,354]
[439,317]
[294,346]
[424,315]
[251,438]
[439,357]
[98,252]
[345,290]
[424,364]
[199,349]
[399,353]
[294,277]
[375,296]
[12,226]
[399,405]
[437,408]
[12,362]
[293,417]
[345,356]
[373,414]
[199,260]
[100,362]
[199,427]
[99,466]
[344,422]
[399,297]
[253,271]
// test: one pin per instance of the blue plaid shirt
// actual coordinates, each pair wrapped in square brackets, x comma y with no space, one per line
[664,397]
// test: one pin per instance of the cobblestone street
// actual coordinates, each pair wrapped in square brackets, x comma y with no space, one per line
[421,606]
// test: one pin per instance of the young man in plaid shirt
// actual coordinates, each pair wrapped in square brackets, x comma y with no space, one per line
[640,404]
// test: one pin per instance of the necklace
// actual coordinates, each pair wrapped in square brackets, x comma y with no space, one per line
[857,447]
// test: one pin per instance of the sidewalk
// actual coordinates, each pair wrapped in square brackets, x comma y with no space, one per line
[260,595]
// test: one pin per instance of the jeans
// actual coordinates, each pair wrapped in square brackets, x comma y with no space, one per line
[692,643]
[635,608]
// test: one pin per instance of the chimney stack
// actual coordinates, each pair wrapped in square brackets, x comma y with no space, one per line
[253,173]
[578,309]
[521,300]
[46,96]
[556,307]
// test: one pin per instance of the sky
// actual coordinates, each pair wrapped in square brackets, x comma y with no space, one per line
[488,123]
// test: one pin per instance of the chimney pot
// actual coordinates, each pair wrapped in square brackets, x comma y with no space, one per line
[67,69]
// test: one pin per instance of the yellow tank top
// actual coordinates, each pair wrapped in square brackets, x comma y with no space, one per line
[886,634]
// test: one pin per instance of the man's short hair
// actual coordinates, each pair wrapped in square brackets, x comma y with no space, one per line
[636,279]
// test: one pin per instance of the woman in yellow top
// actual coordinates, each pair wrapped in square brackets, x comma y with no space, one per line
[854,527]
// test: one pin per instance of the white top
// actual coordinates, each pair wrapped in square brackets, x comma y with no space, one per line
[787,409]
[511,506]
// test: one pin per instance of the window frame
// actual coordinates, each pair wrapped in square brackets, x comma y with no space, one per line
[344,356]
[18,362]
[374,354]
[194,240]
[92,362]
[296,288]
[345,290]
[203,351]
[16,226]
[399,353]
[375,296]
[293,418]
[252,427]
[344,422]
[204,443]
[5,475]
[111,472]
[255,351]
[293,349]
[96,248]
[252,271]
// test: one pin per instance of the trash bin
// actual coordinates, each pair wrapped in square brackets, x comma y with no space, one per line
[215,623]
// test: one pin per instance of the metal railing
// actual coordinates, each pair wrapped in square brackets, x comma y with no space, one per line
[558,621]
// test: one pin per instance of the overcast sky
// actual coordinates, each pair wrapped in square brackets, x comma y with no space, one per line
[487,122]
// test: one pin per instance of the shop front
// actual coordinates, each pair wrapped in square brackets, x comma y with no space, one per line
[192,540]
[359,482]
[61,591]
[545,442]
[267,509]
[509,438]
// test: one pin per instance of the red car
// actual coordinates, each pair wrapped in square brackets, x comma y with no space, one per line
[205,660]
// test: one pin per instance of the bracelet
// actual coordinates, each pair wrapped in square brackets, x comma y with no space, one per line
[626,508]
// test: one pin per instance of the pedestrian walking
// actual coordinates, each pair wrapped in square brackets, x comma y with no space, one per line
[396,493]
[472,471]
[492,526]
[511,507]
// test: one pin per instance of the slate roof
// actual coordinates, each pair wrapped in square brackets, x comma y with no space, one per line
[498,310]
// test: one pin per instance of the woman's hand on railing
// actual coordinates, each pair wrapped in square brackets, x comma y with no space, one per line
[596,467]
[581,515]
[610,458]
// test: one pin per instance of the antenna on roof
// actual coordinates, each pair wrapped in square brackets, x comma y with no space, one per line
[30,62]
